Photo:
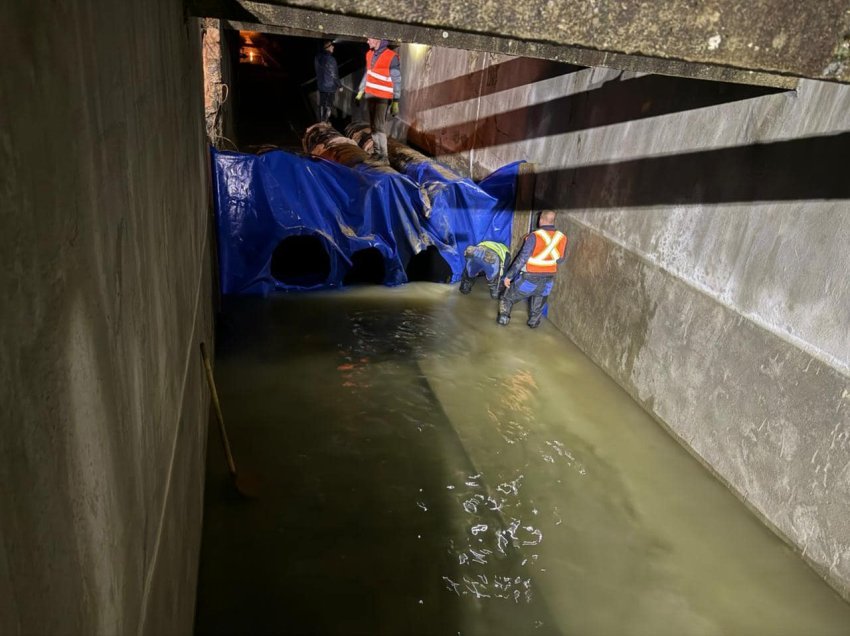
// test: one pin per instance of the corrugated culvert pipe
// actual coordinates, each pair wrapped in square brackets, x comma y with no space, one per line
[323,140]
[400,155]
[361,134]
[427,265]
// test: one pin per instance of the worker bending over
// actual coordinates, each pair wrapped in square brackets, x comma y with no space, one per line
[488,258]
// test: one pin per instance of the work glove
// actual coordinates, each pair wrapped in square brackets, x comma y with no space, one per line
[359,96]
[394,108]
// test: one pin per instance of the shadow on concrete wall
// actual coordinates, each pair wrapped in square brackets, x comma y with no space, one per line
[804,169]
[614,102]
[521,71]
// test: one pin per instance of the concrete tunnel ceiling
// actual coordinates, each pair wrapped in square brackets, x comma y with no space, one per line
[764,42]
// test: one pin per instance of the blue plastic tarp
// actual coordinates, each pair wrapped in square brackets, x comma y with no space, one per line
[262,200]
[465,213]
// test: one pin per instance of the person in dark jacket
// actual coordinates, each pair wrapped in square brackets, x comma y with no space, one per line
[532,273]
[327,78]
[381,84]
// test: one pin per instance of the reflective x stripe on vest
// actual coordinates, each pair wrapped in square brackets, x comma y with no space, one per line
[378,80]
[548,248]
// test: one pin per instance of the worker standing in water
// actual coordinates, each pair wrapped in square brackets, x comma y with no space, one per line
[488,258]
[532,273]
[381,84]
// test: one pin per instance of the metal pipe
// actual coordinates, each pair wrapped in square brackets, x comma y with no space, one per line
[323,140]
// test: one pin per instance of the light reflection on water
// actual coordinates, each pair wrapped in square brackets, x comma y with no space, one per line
[494,533]
[431,473]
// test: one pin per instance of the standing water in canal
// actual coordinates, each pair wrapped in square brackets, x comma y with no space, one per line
[426,471]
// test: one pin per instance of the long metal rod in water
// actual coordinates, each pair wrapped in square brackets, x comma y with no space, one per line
[231,463]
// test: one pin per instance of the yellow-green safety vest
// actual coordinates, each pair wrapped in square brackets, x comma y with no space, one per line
[501,249]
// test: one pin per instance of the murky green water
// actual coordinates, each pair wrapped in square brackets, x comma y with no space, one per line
[427,472]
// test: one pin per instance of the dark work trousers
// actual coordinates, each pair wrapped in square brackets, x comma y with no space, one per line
[378,123]
[480,260]
[326,105]
[535,287]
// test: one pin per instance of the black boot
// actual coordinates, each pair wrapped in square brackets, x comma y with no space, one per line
[535,311]
[504,312]
[466,283]
[494,289]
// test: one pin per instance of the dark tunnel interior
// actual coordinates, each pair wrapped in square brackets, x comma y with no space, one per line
[274,86]
[428,265]
[301,260]
[367,268]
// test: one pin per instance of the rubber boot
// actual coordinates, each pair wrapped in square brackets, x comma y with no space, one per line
[535,311]
[494,289]
[504,312]
[380,141]
[466,283]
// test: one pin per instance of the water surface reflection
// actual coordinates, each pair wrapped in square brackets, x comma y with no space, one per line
[427,472]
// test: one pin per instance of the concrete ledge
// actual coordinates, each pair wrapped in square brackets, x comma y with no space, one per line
[463,32]
[765,417]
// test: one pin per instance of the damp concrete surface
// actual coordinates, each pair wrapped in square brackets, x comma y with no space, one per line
[425,471]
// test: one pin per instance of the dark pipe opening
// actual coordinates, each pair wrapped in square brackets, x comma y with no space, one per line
[367,268]
[302,261]
[429,265]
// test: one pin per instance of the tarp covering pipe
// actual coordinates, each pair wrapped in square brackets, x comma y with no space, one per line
[262,200]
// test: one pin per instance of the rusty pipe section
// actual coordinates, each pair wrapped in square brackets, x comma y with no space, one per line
[400,155]
[361,134]
[323,140]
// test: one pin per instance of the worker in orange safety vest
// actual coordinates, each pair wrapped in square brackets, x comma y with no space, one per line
[381,84]
[532,273]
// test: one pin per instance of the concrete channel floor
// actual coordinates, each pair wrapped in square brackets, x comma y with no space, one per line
[425,471]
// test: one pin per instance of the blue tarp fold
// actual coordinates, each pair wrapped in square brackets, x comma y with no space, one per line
[262,200]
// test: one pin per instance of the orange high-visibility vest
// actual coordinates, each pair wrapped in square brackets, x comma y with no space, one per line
[549,246]
[378,80]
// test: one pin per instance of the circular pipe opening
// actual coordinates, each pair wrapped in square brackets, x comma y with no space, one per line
[429,265]
[301,261]
[367,268]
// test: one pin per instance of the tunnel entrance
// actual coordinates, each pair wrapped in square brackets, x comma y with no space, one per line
[367,268]
[429,265]
[275,90]
[301,261]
